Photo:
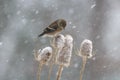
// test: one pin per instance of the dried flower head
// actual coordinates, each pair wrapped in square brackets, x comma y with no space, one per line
[44,55]
[86,48]
[64,55]
[58,41]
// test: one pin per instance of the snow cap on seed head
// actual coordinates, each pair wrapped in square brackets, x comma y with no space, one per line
[86,48]
[44,55]
[58,41]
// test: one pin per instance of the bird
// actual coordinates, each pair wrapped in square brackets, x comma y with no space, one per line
[54,28]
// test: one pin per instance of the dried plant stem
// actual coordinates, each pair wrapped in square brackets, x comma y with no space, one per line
[52,62]
[59,73]
[39,70]
[84,60]
[50,70]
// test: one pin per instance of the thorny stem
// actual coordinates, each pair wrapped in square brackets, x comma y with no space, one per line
[84,60]
[39,70]
[39,65]
[59,73]
[50,70]
[52,62]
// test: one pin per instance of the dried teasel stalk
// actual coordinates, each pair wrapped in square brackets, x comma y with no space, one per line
[64,55]
[43,57]
[57,43]
[85,52]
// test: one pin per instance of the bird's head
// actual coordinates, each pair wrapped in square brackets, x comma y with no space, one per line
[62,23]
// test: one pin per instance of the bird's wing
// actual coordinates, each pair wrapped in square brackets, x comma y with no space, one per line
[51,28]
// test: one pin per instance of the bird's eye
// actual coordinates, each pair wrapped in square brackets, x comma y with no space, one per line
[63,24]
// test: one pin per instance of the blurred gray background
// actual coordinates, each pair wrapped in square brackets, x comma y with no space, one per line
[22,20]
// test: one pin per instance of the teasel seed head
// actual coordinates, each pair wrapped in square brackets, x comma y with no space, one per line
[44,55]
[58,41]
[64,55]
[86,48]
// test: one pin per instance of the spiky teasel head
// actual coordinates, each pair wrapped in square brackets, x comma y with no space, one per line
[44,55]
[86,48]
[58,41]
[64,55]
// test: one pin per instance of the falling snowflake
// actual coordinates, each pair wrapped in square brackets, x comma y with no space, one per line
[36,12]
[26,41]
[7,61]
[70,22]
[33,20]
[1,43]
[22,59]
[74,27]
[24,21]
[92,6]
[71,11]
[18,12]
[98,37]
[76,65]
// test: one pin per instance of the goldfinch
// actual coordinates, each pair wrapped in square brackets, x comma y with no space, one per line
[54,28]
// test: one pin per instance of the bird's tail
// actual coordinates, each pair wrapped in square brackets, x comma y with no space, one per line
[41,34]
